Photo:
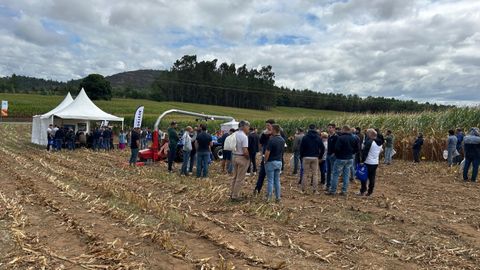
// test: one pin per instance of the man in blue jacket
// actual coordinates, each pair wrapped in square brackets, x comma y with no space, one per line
[345,147]
[311,151]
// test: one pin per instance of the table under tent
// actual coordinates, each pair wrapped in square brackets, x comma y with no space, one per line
[78,114]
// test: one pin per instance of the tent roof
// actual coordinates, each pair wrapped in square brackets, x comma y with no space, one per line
[83,108]
[66,101]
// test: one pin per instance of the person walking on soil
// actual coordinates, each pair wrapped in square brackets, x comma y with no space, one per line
[417,148]
[471,144]
[134,146]
[389,142]
[172,145]
[311,151]
[451,147]
[273,163]
[241,159]
[345,147]
[370,157]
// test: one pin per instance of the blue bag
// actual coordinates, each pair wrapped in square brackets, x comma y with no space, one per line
[361,172]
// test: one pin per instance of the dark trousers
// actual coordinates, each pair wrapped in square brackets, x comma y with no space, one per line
[372,173]
[475,163]
[261,177]
[193,154]
[253,162]
[416,155]
[171,157]
[330,161]
[323,172]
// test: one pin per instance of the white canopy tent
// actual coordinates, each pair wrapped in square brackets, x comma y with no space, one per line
[225,127]
[78,114]
[40,123]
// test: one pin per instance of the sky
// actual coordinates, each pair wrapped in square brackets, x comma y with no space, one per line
[426,50]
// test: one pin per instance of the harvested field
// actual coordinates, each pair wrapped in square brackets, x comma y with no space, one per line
[86,210]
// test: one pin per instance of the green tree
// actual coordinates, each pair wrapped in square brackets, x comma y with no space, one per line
[97,87]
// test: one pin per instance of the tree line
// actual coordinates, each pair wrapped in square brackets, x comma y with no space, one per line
[208,82]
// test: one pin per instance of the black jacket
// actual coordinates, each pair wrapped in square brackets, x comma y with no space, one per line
[312,145]
[332,140]
[418,144]
[346,146]
[253,142]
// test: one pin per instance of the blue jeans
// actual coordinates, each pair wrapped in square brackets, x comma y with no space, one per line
[202,164]
[71,145]
[330,162]
[296,162]
[388,155]
[186,161]
[344,165]
[272,169]
[106,144]
[475,163]
[451,152]
[58,144]
[133,157]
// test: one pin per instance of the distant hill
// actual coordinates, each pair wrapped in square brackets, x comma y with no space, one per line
[138,79]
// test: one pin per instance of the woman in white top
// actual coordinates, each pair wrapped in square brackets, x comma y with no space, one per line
[370,156]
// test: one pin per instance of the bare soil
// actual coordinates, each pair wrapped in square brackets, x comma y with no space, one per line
[87,210]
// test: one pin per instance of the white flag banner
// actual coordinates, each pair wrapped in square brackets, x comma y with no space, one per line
[137,120]
[104,123]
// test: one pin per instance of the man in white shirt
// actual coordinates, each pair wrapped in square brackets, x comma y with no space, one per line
[241,160]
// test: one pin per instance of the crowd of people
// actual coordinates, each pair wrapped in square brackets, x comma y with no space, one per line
[320,157]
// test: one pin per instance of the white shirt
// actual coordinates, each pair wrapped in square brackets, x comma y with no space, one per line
[373,154]
[242,142]
[325,143]
[187,141]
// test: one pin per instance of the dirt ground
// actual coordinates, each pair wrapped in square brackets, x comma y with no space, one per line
[87,210]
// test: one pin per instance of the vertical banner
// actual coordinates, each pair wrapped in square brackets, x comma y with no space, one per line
[137,119]
[4,108]
[104,123]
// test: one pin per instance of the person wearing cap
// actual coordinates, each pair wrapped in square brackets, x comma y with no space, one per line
[134,145]
[172,144]
[241,159]
[471,147]
[417,148]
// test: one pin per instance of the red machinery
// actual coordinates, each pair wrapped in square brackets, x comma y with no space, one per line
[159,150]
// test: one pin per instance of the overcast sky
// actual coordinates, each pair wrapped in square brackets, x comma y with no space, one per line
[427,50]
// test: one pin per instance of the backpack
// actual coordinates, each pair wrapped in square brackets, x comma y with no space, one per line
[230,143]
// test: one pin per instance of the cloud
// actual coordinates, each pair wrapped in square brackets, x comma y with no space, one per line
[426,50]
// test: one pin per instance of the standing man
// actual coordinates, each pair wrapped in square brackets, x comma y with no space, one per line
[134,145]
[172,144]
[460,136]
[187,148]
[345,147]
[296,149]
[263,142]
[253,142]
[389,142]
[241,159]
[332,140]
[311,150]
[273,165]
[472,154]
[451,147]
[417,148]
[203,145]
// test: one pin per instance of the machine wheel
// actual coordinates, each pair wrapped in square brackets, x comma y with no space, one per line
[218,152]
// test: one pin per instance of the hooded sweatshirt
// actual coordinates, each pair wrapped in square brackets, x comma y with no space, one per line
[312,145]
[472,144]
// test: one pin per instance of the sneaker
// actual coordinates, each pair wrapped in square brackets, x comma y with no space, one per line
[247,174]
[315,193]
[255,173]
[360,194]
[343,194]
[328,193]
